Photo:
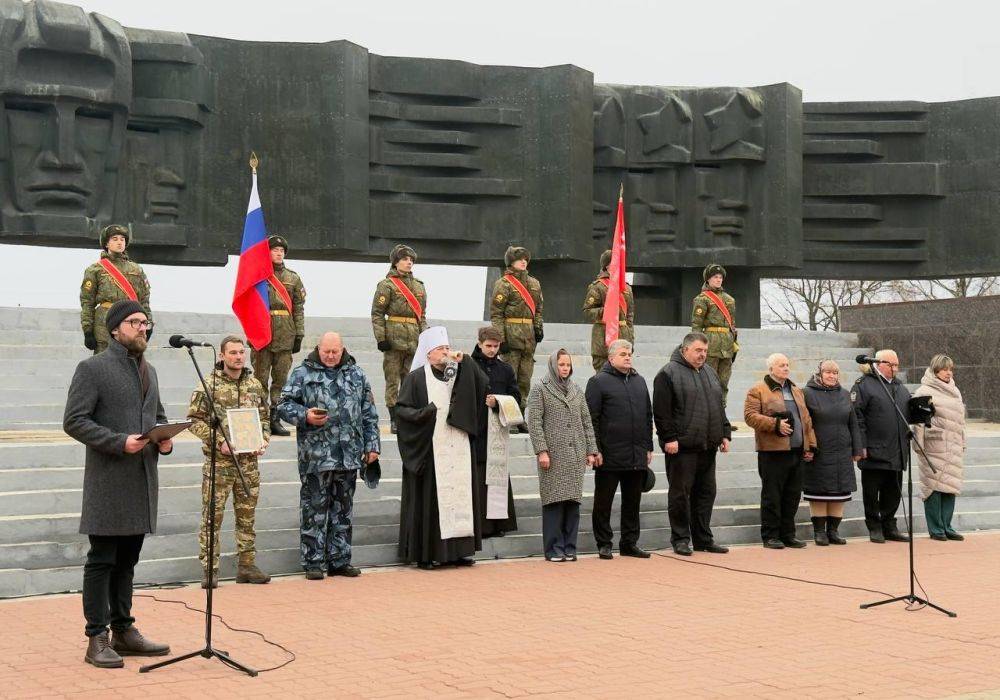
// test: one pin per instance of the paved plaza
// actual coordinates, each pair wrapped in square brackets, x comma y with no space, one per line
[591,629]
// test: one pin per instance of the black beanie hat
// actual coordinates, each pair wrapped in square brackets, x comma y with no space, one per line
[121,310]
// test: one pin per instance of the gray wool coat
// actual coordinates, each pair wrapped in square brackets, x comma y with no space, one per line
[560,424]
[104,406]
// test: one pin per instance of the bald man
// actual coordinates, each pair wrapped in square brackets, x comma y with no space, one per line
[329,400]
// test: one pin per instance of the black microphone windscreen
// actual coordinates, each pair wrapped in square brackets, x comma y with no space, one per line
[175,341]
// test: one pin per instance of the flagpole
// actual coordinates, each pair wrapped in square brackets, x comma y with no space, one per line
[254,162]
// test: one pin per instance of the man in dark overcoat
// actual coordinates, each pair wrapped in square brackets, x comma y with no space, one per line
[113,400]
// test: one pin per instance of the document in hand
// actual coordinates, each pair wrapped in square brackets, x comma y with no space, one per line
[166,431]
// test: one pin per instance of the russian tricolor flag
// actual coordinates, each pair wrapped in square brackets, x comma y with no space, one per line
[250,298]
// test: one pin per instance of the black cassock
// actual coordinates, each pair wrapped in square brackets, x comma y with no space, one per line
[419,527]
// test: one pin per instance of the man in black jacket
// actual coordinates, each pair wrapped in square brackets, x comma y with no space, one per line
[619,405]
[502,380]
[113,400]
[884,436]
[691,425]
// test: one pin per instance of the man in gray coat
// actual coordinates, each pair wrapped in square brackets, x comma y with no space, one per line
[113,400]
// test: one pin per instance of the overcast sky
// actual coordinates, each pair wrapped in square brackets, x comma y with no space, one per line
[845,50]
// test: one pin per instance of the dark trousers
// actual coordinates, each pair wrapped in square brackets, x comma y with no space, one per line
[606,482]
[560,525]
[691,497]
[327,503]
[780,493]
[881,490]
[107,582]
[938,511]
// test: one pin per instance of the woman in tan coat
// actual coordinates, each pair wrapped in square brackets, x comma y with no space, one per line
[944,443]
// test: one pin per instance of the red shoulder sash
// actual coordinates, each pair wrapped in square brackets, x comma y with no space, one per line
[119,279]
[621,295]
[721,306]
[408,295]
[523,291]
[282,291]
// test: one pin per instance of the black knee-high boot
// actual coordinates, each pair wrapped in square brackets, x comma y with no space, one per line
[819,531]
[832,524]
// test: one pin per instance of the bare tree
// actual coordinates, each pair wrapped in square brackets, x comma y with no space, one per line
[814,304]
[916,290]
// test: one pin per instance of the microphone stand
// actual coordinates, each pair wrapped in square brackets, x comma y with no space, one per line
[208,651]
[912,596]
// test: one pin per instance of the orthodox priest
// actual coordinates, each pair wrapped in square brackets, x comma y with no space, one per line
[437,417]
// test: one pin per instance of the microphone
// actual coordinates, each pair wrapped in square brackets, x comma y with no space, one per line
[179,341]
[860,359]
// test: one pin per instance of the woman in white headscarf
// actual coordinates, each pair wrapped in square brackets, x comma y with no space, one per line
[562,436]
[944,443]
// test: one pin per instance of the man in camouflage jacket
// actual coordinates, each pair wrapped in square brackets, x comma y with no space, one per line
[396,324]
[288,327]
[593,312]
[520,329]
[233,386]
[329,401]
[99,289]
[708,319]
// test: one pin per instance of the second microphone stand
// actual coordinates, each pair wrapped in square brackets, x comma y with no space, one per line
[208,651]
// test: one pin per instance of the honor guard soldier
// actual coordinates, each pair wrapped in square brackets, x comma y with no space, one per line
[398,318]
[714,314]
[516,311]
[112,278]
[593,312]
[287,298]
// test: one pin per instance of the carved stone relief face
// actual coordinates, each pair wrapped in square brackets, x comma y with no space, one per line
[154,181]
[59,151]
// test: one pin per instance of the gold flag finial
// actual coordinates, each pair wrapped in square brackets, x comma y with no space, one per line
[254,162]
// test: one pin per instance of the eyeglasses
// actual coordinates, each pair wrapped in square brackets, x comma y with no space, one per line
[138,323]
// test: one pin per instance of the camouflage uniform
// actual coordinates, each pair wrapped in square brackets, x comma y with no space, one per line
[511,316]
[593,312]
[329,456]
[288,326]
[706,318]
[245,392]
[394,322]
[99,291]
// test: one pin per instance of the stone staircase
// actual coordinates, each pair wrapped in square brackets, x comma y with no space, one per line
[41,470]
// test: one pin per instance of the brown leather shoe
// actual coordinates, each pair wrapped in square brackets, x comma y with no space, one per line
[130,642]
[249,573]
[100,653]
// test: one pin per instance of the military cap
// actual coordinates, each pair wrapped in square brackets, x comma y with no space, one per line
[114,230]
[402,251]
[515,252]
[277,242]
[712,270]
[605,259]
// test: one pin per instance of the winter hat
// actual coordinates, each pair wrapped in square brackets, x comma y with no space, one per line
[121,310]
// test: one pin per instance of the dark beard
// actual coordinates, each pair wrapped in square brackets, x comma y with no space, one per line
[136,345]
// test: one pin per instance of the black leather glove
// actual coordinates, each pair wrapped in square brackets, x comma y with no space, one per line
[504,348]
[538,336]
[149,334]
[384,345]
[297,345]
[89,341]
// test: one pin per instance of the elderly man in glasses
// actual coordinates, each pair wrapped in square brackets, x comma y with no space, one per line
[113,401]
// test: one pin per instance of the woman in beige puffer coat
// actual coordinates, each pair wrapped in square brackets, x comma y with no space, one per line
[944,443]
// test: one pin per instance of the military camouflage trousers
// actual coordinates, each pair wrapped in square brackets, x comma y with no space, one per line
[723,367]
[523,362]
[275,365]
[244,508]
[395,366]
[327,503]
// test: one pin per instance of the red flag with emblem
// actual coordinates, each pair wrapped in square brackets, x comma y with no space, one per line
[616,271]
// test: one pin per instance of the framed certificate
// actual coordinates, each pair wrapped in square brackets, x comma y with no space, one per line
[245,432]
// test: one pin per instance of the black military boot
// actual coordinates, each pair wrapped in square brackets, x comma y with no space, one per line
[276,427]
[819,531]
[392,419]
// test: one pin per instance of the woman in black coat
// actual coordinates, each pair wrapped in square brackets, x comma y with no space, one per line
[829,480]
